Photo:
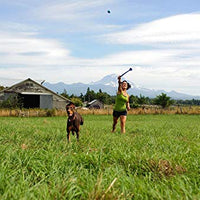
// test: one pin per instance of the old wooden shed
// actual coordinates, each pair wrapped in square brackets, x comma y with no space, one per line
[34,95]
[95,104]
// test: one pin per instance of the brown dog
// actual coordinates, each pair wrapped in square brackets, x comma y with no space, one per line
[74,121]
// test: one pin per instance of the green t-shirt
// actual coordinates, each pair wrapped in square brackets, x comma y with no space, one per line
[120,102]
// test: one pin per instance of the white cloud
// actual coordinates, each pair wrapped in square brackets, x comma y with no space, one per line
[178,29]
[23,48]
[168,79]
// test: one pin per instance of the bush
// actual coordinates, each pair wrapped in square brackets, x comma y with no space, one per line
[163,100]
[11,102]
[50,112]
[77,101]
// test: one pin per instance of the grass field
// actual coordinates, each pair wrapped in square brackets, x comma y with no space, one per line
[157,158]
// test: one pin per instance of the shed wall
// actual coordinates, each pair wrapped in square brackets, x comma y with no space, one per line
[46,101]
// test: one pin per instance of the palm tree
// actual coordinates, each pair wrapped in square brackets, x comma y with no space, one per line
[163,100]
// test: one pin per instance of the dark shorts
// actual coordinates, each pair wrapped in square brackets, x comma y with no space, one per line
[118,114]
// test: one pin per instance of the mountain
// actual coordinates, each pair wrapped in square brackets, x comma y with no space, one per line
[109,84]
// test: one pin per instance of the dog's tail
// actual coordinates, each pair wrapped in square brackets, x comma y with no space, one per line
[81,121]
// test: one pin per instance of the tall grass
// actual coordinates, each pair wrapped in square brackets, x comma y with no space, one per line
[157,158]
[107,111]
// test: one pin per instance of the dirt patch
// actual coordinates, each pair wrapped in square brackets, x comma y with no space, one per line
[166,168]
[24,146]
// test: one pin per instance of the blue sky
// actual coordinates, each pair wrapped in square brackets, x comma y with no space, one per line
[78,41]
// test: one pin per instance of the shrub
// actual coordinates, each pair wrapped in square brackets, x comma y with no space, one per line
[50,112]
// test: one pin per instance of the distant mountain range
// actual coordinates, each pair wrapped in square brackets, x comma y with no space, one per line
[109,85]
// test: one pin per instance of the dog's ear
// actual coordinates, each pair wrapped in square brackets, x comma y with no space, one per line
[70,105]
[73,105]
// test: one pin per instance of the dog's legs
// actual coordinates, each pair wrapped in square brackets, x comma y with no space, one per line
[77,135]
[68,136]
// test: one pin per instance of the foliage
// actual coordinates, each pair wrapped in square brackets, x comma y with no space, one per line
[136,101]
[163,100]
[11,102]
[2,87]
[147,162]
[188,102]
[50,112]
[104,97]
[90,95]
[133,100]
[77,101]
[142,100]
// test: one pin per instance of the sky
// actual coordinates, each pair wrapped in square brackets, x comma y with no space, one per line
[74,41]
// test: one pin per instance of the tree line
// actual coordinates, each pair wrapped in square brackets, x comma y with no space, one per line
[135,101]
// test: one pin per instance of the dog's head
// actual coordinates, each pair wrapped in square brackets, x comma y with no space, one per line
[70,108]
